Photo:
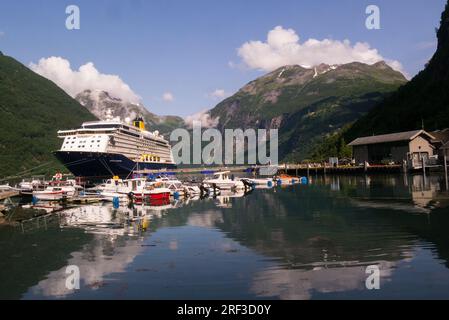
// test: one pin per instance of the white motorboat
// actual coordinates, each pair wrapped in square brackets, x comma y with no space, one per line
[137,189]
[175,187]
[55,193]
[5,187]
[192,190]
[222,181]
[26,187]
[260,183]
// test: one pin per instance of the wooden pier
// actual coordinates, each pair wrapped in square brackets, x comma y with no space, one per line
[307,170]
[293,169]
[8,194]
[196,170]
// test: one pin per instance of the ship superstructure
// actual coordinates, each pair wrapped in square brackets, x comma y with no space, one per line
[113,148]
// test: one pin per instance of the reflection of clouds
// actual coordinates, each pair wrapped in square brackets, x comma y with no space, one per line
[104,255]
[296,284]
[208,219]
[173,245]
[94,266]
[371,204]
[99,219]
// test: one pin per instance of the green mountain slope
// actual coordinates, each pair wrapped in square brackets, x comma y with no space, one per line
[32,110]
[425,99]
[307,104]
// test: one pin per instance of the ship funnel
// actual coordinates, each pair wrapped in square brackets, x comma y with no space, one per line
[139,123]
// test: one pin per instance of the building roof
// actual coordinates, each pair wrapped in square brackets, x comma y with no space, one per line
[441,136]
[393,137]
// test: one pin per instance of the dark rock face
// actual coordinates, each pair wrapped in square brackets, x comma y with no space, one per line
[424,100]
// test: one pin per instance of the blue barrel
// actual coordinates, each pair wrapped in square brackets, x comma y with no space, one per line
[116,202]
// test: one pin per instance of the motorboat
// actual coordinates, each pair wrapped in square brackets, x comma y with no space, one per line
[192,189]
[6,187]
[176,188]
[264,182]
[223,181]
[156,192]
[138,189]
[285,179]
[27,186]
[55,193]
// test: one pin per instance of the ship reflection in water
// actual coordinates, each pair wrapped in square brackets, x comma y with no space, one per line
[298,242]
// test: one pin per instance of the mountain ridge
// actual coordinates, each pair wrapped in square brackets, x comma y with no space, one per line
[307,102]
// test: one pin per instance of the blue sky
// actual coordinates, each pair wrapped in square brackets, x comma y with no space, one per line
[186,48]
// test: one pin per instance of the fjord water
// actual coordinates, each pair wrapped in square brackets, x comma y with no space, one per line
[294,242]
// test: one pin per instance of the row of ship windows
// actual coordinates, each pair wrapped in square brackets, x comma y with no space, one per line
[71,147]
[74,138]
[93,141]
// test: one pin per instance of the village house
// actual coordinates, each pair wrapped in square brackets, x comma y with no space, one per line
[441,142]
[411,147]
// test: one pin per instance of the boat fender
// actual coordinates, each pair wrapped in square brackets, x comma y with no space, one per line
[279,182]
[304,180]
[176,195]
[270,184]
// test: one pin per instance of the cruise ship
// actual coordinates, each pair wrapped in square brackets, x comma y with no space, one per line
[111,147]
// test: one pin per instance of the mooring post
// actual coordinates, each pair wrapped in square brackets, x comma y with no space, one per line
[423,165]
[445,171]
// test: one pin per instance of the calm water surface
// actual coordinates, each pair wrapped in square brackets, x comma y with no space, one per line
[297,242]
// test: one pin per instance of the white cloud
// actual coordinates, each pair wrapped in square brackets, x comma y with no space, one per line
[283,47]
[59,71]
[168,97]
[218,94]
[427,45]
[204,117]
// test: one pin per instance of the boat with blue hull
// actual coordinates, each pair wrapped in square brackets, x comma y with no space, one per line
[113,148]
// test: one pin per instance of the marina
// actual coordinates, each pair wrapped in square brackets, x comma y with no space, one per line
[231,158]
[296,241]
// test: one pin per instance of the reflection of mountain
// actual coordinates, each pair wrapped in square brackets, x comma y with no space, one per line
[33,254]
[294,284]
[323,240]
[306,228]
